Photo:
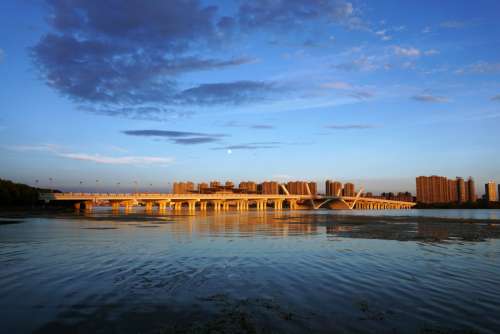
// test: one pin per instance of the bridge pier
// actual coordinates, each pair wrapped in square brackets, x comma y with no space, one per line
[148,206]
[177,206]
[243,205]
[293,204]
[77,206]
[203,205]
[217,205]
[115,205]
[88,205]
[262,205]
[162,205]
[278,204]
[192,205]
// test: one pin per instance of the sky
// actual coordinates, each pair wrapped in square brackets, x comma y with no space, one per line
[119,95]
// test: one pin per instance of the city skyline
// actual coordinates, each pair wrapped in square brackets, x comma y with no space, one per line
[370,93]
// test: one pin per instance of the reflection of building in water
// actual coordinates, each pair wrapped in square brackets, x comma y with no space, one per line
[335,229]
[259,224]
[433,231]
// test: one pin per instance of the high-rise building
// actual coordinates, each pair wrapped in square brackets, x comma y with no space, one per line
[269,187]
[452,191]
[348,189]
[313,187]
[461,190]
[336,188]
[214,184]
[491,191]
[439,189]
[300,187]
[435,189]
[202,187]
[471,187]
[333,188]
[229,185]
[248,187]
[183,187]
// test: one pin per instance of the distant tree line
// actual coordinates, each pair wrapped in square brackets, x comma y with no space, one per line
[18,194]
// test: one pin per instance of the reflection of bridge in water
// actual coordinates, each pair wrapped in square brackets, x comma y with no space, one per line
[224,201]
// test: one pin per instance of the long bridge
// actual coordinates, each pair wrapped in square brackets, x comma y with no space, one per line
[224,201]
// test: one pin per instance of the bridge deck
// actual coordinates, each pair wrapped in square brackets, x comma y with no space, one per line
[202,197]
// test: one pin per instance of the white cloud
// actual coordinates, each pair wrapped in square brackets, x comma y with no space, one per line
[406,52]
[97,158]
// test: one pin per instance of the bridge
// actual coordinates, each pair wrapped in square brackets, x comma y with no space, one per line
[224,201]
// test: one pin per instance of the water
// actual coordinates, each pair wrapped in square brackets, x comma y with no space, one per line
[435,213]
[252,272]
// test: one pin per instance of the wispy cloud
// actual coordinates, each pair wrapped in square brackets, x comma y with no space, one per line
[350,126]
[495,98]
[178,137]
[337,85]
[2,55]
[195,140]
[251,146]
[480,67]
[406,51]
[96,158]
[430,98]
[234,93]
[282,177]
[452,24]
[431,52]
[235,124]
[262,126]
[126,160]
[359,93]
[361,64]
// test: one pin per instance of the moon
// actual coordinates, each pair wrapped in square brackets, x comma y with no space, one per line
[229,151]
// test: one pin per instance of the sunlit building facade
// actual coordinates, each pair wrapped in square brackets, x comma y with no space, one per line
[439,189]
[490,189]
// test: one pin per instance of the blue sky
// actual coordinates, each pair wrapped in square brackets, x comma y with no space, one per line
[160,91]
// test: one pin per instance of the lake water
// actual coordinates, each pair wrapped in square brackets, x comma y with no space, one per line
[289,272]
